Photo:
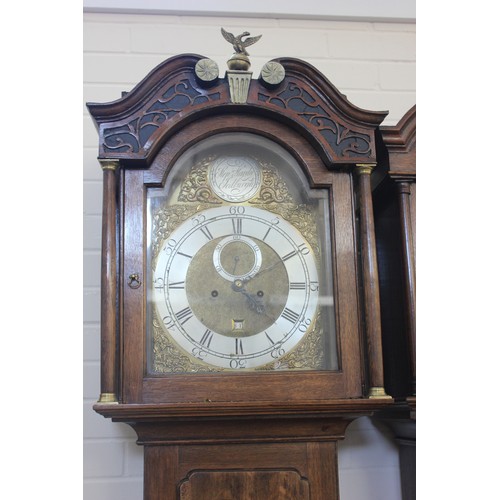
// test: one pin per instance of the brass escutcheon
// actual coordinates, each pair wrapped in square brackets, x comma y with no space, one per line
[134,281]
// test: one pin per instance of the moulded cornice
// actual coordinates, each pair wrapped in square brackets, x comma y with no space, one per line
[400,142]
[134,127]
[402,136]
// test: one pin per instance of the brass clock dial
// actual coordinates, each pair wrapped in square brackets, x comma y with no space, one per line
[238,259]
[236,286]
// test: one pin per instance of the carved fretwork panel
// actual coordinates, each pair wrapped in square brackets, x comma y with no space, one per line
[135,135]
[172,95]
[345,142]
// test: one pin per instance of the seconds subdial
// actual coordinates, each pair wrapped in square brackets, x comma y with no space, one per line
[237,257]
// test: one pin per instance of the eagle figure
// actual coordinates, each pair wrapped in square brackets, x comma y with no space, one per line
[239,45]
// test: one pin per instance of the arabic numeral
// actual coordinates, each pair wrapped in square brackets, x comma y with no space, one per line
[169,247]
[278,352]
[237,364]
[199,219]
[168,321]
[159,283]
[199,353]
[304,325]
[303,249]
[237,210]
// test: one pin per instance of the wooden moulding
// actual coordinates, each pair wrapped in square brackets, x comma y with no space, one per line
[400,141]
[134,127]
[338,407]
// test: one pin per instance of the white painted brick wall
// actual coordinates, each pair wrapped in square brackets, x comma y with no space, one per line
[373,64]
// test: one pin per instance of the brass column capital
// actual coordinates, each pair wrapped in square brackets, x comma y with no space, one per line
[107,164]
[364,168]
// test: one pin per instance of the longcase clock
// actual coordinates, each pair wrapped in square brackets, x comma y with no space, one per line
[240,305]
[394,201]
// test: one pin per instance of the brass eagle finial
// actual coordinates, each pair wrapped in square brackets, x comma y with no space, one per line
[240,45]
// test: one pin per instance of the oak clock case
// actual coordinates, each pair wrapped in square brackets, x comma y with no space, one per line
[237,263]
[240,318]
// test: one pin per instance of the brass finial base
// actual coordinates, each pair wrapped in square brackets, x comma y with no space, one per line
[239,62]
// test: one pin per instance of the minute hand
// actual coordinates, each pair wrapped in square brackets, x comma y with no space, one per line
[262,271]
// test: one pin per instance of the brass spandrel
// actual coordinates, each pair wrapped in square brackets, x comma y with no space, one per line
[166,219]
[168,357]
[309,354]
[195,188]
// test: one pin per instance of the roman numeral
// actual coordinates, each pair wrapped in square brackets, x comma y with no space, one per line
[179,285]
[269,338]
[295,285]
[290,315]
[238,346]
[207,338]
[267,232]
[302,249]
[237,225]
[289,255]
[206,232]
[185,255]
[184,314]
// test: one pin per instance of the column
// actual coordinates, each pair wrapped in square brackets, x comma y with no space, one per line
[370,283]
[404,193]
[108,284]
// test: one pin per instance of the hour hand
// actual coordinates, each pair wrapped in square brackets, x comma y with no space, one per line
[255,301]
